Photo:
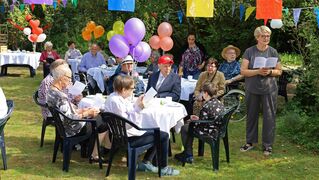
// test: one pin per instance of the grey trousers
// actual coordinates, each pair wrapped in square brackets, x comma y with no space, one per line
[268,102]
[187,140]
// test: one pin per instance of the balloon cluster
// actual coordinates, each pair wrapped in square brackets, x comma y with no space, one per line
[118,28]
[98,31]
[276,23]
[36,33]
[131,42]
[163,40]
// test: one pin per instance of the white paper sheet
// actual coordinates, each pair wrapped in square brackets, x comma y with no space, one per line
[262,62]
[77,88]
[149,95]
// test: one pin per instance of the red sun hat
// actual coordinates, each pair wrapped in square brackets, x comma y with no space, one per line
[165,60]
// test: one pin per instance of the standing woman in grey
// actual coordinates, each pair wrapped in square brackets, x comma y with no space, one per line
[261,91]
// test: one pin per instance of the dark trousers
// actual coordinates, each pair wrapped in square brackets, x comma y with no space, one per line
[187,139]
[46,69]
[147,138]
[268,103]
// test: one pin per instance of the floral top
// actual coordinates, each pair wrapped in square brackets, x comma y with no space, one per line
[212,109]
[58,99]
[230,70]
[192,58]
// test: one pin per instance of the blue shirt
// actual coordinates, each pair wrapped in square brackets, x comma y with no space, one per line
[89,61]
[230,70]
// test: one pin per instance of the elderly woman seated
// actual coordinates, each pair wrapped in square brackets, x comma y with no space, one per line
[120,103]
[57,98]
[211,109]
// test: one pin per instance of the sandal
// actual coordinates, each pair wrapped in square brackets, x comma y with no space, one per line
[246,147]
[169,171]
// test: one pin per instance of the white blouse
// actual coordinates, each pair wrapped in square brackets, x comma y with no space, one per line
[116,104]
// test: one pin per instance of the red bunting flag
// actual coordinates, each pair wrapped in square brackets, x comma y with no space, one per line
[268,9]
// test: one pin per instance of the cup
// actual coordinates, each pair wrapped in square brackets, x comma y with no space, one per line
[190,77]
[168,99]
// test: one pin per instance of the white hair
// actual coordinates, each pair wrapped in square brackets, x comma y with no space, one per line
[260,30]
[61,71]
[48,44]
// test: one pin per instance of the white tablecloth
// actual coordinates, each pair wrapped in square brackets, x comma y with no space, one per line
[164,116]
[31,58]
[188,87]
[99,73]
[92,101]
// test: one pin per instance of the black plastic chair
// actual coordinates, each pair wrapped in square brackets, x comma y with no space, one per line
[46,121]
[117,126]
[3,122]
[69,142]
[223,133]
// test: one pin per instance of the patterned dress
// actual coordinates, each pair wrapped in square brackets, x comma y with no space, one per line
[211,110]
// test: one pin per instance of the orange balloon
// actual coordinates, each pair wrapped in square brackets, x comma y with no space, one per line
[33,37]
[155,42]
[98,31]
[164,29]
[90,26]
[37,31]
[166,43]
[86,35]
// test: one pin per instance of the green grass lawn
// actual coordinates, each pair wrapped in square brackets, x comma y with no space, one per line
[26,160]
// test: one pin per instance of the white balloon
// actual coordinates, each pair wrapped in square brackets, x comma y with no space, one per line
[27,31]
[276,23]
[41,37]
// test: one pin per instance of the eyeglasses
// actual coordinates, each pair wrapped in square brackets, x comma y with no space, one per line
[132,88]
[68,76]
[265,36]
[211,65]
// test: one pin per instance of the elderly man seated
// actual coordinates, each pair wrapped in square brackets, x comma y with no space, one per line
[126,70]
[91,59]
[167,83]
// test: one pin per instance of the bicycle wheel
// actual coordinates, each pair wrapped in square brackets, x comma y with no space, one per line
[236,97]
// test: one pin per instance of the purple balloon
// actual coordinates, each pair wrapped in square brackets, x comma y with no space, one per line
[119,46]
[136,51]
[146,52]
[134,30]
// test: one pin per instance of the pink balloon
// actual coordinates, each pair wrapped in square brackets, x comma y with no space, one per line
[164,29]
[166,43]
[155,42]
[119,46]
[146,52]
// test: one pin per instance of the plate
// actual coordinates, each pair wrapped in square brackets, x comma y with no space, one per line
[172,104]
[192,80]
[90,96]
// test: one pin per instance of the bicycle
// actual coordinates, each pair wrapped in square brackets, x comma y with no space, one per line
[235,97]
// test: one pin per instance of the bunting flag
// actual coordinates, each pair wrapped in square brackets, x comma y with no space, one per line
[121,5]
[32,7]
[200,8]
[47,2]
[59,2]
[75,3]
[180,15]
[43,7]
[233,6]
[241,11]
[286,10]
[316,10]
[296,13]
[22,6]
[268,9]
[12,7]
[64,2]
[248,12]
[2,9]
[55,4]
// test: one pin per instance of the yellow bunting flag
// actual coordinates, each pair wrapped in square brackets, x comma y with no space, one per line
[43,7]
[248,12]
[200,8]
